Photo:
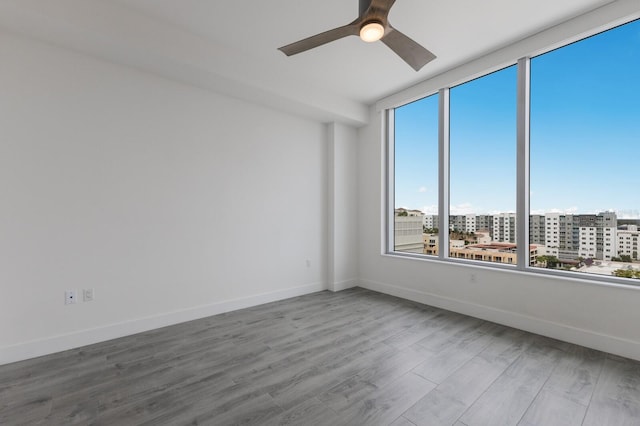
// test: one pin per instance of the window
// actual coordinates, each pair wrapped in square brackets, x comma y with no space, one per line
[416,176]
[482,170]
[581,109]
[585,108]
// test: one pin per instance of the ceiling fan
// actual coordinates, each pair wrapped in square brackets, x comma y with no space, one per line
[371,25]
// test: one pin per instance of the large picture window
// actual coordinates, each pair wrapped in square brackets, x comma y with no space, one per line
[482,168]
[561,198]
[585,147]
[416,177]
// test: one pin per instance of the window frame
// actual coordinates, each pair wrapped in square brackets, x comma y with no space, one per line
[523,115]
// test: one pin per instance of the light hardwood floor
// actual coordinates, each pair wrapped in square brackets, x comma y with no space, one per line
[350,358]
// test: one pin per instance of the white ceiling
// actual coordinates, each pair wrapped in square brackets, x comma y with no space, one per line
[231,45]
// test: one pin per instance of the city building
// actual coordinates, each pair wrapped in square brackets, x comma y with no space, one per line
[492,252]
[627,242]
[463,223]
[431,221]
[408,231]
[504,227]
[537,229]
[597,235]
[484,222]
[570,237]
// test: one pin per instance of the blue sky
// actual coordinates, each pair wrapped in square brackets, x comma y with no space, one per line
[585,135]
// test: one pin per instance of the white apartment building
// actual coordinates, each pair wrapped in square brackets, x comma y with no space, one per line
[552,231]
[546,251]
[430,221]
[588,239]
[627,242]
[463,223]
[470,223]
[609,248]
[589,236]
[504,227]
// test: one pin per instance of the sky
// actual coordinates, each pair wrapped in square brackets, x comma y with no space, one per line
[585,135]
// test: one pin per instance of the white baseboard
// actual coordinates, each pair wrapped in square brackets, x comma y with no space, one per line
[615,345]
[49,345]
[343,285]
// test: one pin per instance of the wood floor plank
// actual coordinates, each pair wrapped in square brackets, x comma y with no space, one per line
[551,408]
[25,412]
[566,395]
[433,321]
[253,411]
[367,381]
[387,404]
[325,376]
[463,346]
[450,399]
[616,399]
[311,412]
[401,421]
[443,337]
[181,403]
[299,358]
[576,374]
[507,399]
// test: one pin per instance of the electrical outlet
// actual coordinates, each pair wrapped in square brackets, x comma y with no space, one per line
[473,278]
[88,294]
[308,263]
[70,297]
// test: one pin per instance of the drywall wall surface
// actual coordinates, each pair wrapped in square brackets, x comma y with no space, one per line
[170,201]
[342,206]
[596,315]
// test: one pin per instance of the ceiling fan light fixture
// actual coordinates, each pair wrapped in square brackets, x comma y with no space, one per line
[371,31]
[372,24]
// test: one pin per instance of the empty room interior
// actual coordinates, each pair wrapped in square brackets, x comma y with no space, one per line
[340,212]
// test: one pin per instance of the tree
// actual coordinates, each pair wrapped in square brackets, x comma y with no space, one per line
[548,261]
[403,213]
[626,273]
[625,258]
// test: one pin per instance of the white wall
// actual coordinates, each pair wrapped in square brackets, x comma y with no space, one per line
[342,207]
[596,315]
[170,201]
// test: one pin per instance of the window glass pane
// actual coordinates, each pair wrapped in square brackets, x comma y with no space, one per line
[585,146]
[416,177]
[482,207]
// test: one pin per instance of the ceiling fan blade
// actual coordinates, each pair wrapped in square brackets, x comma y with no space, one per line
[377,6]
[320,39]
[381,5]
[411,52]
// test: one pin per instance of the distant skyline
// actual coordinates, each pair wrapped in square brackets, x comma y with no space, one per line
[585,135]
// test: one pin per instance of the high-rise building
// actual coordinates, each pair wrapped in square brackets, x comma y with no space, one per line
[463,223]
[484,222]
[627,241]
[504,227]
[583,235]
[597,235]
[537,229]
[430,221]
